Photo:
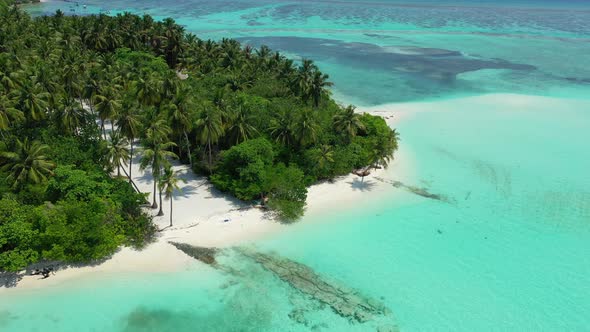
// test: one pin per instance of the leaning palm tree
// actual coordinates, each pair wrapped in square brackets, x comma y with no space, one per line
[348,122]
[27,164]
[117,151]
[168,184]
[210,127]
[155,156]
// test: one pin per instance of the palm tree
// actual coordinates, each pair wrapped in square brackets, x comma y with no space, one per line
[324,156]
[306,128]
[31,101]
[148,89]
[27,164]
[107,105]
[318,85]
[155,156]
[303,79]
[210,127]
[128,124]
[70,115]
[180,117]
[348,122]
[117,151]
[173,37]
[281,128]
[9,80]
[168,184]
[240,126]
[8,113]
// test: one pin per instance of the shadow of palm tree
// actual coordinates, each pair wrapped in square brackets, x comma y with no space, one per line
[145,177]
[235,203]
[186,191]
[366,185]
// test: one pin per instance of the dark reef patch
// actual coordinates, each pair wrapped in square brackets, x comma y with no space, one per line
[429,63]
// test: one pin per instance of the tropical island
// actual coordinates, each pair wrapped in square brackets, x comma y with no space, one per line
[83,98]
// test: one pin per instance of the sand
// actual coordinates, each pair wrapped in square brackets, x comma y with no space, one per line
[203,216]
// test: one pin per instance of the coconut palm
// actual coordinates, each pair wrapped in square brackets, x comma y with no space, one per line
[148,89]
[107,105]
[325,156]
[117,151]
[128,123]
[180,117]
[281,128]
[168,184]
[210,128]
[8,80]
[8,113]
[348,122]
[239,127]
[306,128]
[303,79]
[31,100]
[318,87]
[28,164]
[155,156]
[382,150]
[70,115]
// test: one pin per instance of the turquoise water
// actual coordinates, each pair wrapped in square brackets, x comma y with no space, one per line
[508,249]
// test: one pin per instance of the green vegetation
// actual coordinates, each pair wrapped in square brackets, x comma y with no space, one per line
[259,125]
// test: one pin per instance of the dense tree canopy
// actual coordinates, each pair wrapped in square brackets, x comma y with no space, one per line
[81,96]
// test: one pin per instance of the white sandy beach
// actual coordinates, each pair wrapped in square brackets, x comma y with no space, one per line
[206,217]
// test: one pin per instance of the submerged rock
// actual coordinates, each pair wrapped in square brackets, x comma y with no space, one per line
[424,193]
[298,315]
[203,254]
[346,303]
[415,190]
[387,328]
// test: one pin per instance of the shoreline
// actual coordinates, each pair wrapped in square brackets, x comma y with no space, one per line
[206,217]
[203,216]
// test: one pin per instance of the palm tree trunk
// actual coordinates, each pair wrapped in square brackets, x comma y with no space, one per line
[118,171]
[160,213]
[171,210]
[188,148]
[104,133]
[134,185]
[154,204]
[130,159]
[210,159]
